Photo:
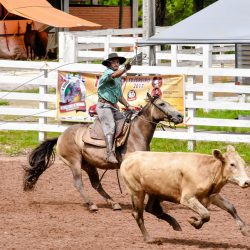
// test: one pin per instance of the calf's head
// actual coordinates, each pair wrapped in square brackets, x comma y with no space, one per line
[234,167]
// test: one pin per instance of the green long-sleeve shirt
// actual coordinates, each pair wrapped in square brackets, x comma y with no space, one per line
[110,88]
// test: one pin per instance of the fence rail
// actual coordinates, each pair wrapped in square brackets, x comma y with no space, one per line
[44,109]
[202,62]
[87,46]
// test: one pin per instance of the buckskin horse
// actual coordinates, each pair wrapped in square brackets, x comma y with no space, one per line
[79,155]
[35,42]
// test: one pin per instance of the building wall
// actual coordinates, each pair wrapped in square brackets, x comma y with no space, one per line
[106,16]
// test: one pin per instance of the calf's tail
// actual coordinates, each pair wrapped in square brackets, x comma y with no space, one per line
[40,159]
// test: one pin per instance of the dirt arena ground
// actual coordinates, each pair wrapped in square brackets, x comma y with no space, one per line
[53,216]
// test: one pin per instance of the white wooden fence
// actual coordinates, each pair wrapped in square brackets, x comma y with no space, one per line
[45,109]
[89,46]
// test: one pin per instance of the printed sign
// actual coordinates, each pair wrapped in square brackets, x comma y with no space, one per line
[77,93]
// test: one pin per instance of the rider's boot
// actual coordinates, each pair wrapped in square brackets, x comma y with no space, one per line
[110,153]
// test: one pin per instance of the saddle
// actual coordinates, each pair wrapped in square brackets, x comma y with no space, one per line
[94,134]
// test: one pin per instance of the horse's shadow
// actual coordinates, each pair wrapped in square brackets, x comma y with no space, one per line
[65,203]
[124,206]
[198,243]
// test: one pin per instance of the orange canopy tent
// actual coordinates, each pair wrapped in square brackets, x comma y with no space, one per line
[43,12]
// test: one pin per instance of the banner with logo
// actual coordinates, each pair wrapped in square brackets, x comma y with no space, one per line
[77,93]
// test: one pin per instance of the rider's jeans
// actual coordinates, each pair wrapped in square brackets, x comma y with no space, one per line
[107,115]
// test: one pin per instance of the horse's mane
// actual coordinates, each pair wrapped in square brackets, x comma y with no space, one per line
[148,100]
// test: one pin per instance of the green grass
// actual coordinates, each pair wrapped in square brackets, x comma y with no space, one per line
[36,90]
[33,90]
[3,103]
[19,142]
[166,145]
[223,114]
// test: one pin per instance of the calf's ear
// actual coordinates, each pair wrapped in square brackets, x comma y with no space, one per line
[218,155]
[230,148]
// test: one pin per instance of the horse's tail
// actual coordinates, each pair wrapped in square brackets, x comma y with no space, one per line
[40,159]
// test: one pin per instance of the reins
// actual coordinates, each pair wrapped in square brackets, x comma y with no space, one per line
[152,101]
[128,116]
[118,180]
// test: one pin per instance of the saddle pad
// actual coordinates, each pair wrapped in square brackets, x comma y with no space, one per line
[87,139]
[101,143]
[96,131]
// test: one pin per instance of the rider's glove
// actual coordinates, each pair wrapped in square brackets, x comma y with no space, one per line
[127,66]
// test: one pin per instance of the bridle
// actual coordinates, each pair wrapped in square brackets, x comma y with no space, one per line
[152,101]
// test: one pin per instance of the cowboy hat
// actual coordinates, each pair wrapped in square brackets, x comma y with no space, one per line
[113,56]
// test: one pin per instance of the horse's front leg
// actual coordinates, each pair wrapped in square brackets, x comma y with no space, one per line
[31,53]
[27,51]
[95,182]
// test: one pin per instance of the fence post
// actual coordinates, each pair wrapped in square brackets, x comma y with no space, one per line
[173,55]
[43,89]
[68,47]
[207,63]
[191,113]
[107,47]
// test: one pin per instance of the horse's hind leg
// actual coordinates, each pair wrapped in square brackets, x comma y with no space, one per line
[75,166]
[96,184]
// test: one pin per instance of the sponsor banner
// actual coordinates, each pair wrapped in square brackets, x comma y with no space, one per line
[77,93]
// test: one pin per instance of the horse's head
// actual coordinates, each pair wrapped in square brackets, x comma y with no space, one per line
[28,27]
[162,110]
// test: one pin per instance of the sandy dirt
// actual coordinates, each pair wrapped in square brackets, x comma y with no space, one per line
[54,217]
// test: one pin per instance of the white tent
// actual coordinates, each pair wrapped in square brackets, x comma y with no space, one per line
[225,21]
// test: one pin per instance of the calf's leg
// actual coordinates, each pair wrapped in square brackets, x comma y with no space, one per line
[224,204]
[197,207]
[137,212]
[154,207]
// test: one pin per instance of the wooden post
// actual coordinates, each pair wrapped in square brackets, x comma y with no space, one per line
[207,63]
[120,14]
[174,55]
[134,13]
[191,113]
[66,6]
[67,47]
[107,47]
[149,28]
[43,89]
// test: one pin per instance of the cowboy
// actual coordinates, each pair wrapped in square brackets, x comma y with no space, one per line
[109,94]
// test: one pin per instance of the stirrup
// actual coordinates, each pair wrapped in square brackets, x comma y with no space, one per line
[111,157]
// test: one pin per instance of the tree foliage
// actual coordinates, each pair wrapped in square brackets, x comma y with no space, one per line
[114,2]
[177,10]
[168,12]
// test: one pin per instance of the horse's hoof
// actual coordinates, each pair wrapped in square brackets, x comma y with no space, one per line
[177,227]
[196,223]
[116,206]
[245,231]
[150,240]
[93,208]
